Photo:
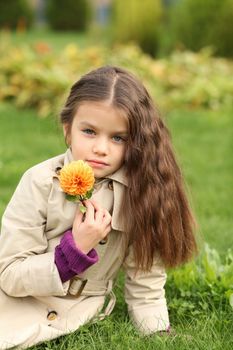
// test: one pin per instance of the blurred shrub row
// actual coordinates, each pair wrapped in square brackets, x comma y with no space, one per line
[157,26]
[35,76]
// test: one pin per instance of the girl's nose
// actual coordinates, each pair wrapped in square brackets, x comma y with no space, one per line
[100,146]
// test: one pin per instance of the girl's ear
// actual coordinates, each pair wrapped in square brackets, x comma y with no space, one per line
[66,132]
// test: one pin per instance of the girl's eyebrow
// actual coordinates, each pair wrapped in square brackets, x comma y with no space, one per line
[89,125]
[83,123]
[120,133]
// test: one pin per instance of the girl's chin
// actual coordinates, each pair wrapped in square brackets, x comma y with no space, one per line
[100,174]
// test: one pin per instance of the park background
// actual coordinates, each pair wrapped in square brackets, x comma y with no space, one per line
[182,50]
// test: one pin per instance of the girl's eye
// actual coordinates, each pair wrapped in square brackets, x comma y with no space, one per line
[118,139]
[89,131]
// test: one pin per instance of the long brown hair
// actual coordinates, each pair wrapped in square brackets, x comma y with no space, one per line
[155,209]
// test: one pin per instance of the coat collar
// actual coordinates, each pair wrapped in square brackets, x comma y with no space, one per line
[119,183]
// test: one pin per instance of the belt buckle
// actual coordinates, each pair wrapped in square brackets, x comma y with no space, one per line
[82,286]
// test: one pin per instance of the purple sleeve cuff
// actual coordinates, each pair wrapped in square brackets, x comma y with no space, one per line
[70,260]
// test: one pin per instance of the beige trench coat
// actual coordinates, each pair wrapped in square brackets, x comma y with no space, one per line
[34,304]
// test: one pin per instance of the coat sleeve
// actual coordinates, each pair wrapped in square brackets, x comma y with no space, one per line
[145,296]
[26,267]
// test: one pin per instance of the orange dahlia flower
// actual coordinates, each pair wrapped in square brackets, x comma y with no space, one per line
[77,179]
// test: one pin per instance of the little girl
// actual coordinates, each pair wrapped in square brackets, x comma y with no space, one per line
[57,265]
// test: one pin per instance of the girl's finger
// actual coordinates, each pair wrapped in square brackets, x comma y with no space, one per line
[105,235]
[95,204]
[99,215]
[108,229]
[99,211]
[107,217]
[90,212]
[78,217]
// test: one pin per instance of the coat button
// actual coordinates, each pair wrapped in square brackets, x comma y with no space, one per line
[103,241]
[57,170]
[110,185]
[52,315]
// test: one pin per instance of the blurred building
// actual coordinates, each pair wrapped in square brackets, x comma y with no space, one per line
[101,10]
[39,8]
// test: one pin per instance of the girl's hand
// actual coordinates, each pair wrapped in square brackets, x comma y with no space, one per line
[89,229]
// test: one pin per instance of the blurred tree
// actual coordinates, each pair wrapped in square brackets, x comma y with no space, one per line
[136,20]
[223,33]
[198,23]
[69,14]
[15,14]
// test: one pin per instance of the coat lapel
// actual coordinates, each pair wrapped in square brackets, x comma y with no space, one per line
[117,223]
[119,184]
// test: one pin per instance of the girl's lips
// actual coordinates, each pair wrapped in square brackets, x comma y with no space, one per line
[97,164]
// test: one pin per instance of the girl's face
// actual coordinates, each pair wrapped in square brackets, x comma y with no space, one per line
[98,136]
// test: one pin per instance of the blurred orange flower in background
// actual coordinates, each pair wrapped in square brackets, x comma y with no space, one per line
[42,47]
[77,179]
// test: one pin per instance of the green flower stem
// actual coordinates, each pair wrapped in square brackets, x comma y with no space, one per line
[80,199]
[82,207]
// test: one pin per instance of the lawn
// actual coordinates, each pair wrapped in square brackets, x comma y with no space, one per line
[57,42]
[203,143]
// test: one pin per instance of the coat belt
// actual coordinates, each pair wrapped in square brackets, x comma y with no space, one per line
[83,287]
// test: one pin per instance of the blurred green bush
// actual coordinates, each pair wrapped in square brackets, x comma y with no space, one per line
[137,21]
[68,14]
[195,24]
[15,14]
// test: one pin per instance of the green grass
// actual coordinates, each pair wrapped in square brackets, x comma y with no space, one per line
[203,142]
[119,334]
[25,140]
[56,40]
